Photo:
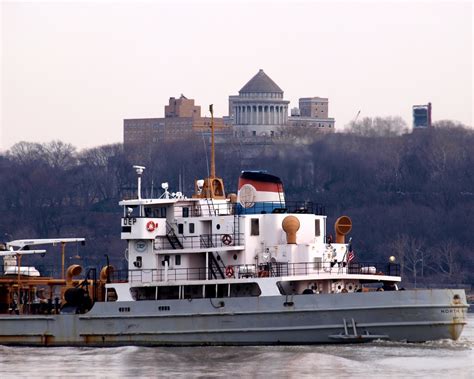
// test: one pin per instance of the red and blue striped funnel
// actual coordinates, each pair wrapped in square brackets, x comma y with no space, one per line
[259,192]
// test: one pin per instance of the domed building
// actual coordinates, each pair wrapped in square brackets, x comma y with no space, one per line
[259,109]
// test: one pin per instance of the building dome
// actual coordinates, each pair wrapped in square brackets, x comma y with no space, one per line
[261,83]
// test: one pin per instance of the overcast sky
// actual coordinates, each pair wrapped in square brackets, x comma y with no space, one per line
[74,70]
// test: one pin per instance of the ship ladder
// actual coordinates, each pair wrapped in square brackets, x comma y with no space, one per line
[354,336]
[281,195]
[173,238]
[215,268]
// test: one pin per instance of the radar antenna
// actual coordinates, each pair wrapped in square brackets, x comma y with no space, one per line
[139,170]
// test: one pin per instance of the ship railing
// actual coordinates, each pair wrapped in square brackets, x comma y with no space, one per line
[309,268]
[264,207]
[202,241]
[266,270]
[52,271]
[304,207]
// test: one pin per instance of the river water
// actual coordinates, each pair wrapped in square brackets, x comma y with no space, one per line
[440,359]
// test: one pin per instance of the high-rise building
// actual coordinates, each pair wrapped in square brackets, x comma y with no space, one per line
[421,116]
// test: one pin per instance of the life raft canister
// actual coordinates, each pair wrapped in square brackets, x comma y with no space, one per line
[229,271]
[150,226]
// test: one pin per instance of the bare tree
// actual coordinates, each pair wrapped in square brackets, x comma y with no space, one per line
[379,127]
[448,257]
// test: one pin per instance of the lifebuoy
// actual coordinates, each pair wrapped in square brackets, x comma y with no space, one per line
[226,239]
[229,271]
[263,274]
[351,286]
[150,226]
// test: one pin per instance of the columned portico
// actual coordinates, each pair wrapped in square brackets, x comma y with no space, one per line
[260,108]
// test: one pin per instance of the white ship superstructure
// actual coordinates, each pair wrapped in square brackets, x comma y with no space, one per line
[176,244]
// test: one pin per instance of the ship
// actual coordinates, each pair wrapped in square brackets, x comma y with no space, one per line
[246,268]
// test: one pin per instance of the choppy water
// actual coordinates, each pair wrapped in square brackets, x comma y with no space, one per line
[440,359]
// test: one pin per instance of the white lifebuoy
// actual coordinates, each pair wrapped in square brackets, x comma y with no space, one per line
[351,287]
[150,226]
[337,287]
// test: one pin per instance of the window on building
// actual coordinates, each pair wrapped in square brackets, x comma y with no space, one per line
[180,228]
[254,133]
[185,212]
[177,260]
[191,228]
[254,227]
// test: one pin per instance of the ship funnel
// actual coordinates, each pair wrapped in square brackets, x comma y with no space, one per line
[291,225]
[342,227]
[260,192]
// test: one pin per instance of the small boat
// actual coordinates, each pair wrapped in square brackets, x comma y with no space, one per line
[249,268]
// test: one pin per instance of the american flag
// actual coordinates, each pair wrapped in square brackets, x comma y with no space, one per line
[351,254]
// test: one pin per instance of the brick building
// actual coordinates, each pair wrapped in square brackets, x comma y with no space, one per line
[313,112]
[182,116]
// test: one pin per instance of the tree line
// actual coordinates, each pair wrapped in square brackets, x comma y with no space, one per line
[409,194]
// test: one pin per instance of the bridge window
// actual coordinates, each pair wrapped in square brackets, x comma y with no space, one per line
[155,212]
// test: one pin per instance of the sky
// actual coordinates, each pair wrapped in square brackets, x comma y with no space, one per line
[73,70]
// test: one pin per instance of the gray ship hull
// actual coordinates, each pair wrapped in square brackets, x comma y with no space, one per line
[415,316]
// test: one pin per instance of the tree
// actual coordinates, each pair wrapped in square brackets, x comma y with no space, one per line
[379,127]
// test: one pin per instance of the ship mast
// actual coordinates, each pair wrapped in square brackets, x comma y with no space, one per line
[213,151]
[211,187]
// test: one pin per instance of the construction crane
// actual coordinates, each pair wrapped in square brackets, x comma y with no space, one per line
[356,117]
